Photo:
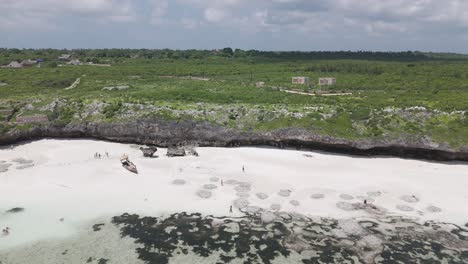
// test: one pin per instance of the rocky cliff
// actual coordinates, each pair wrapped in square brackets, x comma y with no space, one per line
[164,133]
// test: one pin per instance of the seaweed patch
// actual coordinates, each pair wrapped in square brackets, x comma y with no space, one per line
[320,240]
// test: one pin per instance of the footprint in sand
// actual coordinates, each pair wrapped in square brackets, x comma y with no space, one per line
[252,209]
[27,166]
[317,196]
[284,193]
[365,198]
[345,206]
[433,209]
[204,194]
[404,208]
[262,196]
[241,203]
[243,195]
[245,184]
[210,186]
[179,182]
[294,202]
[347,197]
[275,207]
[231,182]
[214,179]
[4,167]
[23,161]
[374,194]
[243,188]
[409,198]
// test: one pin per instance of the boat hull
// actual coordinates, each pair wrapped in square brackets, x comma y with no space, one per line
[131,167]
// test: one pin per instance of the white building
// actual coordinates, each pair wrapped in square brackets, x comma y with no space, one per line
[65,57]
[28,62]
[13,64]
[260,84]
[74,62]
[327,81]
[301,80]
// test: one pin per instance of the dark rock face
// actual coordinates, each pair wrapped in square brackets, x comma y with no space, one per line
[175,152]
[15,210]
[170,133]
[97,227]
[249,239]
[149,151]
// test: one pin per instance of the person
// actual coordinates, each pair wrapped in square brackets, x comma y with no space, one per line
[365,201]
[243,168]
[230,209]
[124,160]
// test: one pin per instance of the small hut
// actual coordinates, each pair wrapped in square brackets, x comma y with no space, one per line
[74,62]
[65,57]
[27,63]
[301,80]
[327,81]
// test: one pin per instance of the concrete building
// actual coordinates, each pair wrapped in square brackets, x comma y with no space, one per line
[260,84]
[327,81]
[26,63]
[65,57]
[13,64]
[74,62]
[301,80]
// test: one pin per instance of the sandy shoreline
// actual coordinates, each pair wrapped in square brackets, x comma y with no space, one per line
[54,179]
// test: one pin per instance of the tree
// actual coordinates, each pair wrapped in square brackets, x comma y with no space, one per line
[228,52]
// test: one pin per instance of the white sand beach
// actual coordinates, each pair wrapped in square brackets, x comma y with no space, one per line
[54,179]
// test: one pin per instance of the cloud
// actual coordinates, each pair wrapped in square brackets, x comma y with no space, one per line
[371,16]
[299,20]
[215,15]
[159,10]
[42,14]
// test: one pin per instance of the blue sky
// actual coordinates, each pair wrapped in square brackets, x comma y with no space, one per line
[427,25]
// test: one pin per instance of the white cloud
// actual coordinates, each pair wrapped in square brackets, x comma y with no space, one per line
[215,14]
[159,11]
[41,14]
[302,19]
[371,16]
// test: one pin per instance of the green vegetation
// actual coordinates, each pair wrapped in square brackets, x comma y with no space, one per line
[394,95]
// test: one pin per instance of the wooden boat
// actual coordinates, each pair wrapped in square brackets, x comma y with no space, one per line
[127,164]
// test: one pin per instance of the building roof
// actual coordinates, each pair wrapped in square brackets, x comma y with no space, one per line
[65,57]
[14,64]
[74,62]
[28,62]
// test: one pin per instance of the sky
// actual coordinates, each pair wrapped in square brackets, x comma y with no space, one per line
[378,25]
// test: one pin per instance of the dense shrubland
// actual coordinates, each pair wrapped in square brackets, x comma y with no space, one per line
[393,94]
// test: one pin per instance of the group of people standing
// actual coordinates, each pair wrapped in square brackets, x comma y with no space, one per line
[6,231]
[98,155]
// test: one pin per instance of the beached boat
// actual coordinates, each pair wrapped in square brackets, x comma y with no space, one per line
[127,164]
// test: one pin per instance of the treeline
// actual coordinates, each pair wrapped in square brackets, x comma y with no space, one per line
[346,68]
[229,53]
